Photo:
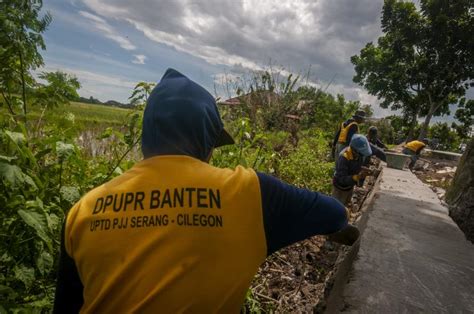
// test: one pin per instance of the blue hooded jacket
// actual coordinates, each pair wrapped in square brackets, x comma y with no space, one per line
[181,118]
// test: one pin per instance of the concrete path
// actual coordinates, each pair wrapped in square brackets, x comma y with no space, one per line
[412,258]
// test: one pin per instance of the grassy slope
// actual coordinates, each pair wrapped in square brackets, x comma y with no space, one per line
[98,113]
[84,114]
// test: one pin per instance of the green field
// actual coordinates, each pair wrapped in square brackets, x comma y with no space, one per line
[81,114]
[95,113]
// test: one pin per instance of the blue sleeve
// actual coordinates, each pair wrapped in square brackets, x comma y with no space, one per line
[291,214]
[381,144]
[377,152]
[352,130]
[69,288]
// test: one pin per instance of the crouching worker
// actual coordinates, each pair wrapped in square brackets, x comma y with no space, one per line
[349,168]
[175,234]
[372,137]
[413,149]
[376,146]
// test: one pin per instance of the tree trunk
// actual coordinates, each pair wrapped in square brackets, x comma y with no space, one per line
[425,125]
[460,196]
[7,101]
[433,107]
[411,131]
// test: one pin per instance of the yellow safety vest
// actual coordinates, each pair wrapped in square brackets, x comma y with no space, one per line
[172,234]
[344,130]
[348,153]
[415,145]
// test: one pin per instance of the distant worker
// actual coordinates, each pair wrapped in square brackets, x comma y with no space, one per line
[349,168]
[346,131]
[175,234]
[372,136]
[413,149]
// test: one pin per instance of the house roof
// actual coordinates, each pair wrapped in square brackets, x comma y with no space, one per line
[253,97]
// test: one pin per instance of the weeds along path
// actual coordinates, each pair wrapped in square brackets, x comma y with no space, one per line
[300,277]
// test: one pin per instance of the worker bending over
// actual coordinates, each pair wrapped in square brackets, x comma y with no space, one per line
[413,149]
[175,234]
[376,145]
[372,136]
[349,168]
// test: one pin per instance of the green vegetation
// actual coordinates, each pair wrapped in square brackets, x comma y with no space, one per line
[85,113]
[424,60]
[41,178]
[20,40]
[88,114]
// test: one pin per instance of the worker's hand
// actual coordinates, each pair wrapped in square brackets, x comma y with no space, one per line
[365,172]
[347,236]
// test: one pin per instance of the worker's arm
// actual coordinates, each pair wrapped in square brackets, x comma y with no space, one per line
[418,151]
[291,214]
[380,144]
[377,152]
[343,177]
[347,235]
[69,287]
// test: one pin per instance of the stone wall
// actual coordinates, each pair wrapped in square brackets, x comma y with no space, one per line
[460,196]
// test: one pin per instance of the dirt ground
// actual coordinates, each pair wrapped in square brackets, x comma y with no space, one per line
[437,173]
[298,278]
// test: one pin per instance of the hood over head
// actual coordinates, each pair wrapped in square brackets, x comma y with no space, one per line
[361,145]
[181,118]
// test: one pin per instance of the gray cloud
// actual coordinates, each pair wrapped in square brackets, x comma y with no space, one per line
[247,33]
[108,31]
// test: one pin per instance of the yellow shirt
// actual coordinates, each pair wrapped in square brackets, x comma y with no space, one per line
[415,146]
[172,234]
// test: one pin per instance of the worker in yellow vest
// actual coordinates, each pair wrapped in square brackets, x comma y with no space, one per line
[174,234]
[413,149]
[346,131]
[350,170]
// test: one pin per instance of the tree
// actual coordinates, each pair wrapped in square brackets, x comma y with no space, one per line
[423,62]
[465,115]
[140,93]
[61,89]
[444,138]
[403,128]
[369,112]
[386,130]
[20,40]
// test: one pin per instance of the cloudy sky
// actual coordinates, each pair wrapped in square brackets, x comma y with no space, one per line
[110,45]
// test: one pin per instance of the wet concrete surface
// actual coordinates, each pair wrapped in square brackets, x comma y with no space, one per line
[412,258]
